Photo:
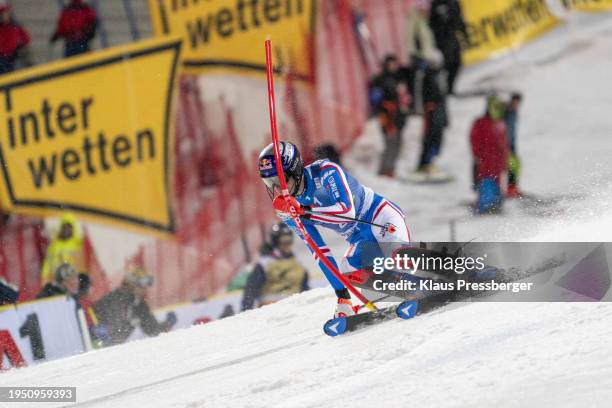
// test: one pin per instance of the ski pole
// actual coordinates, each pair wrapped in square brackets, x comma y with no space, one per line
[390,228]
[285,193]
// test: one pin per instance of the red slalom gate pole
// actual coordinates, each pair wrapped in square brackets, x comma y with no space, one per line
[285,193]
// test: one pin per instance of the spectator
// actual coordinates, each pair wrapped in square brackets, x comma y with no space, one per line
[514,163]
[426,79]
[446,20]
[277,274]
[66,282]
[67,246]
[490,150]
[83,298]
[420,40]
[8,293]
[390,106]
[77,26]
[125,308]
[13,40]
[327,151]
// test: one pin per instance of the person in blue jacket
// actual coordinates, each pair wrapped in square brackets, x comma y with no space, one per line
[322,193]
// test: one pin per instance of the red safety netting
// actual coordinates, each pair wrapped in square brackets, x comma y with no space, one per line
[222,210]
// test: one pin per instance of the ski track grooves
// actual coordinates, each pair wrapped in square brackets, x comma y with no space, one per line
[214,367]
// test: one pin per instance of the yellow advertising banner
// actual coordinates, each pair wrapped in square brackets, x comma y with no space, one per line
[229,34]
[496,26]
[92,134]
[588,5]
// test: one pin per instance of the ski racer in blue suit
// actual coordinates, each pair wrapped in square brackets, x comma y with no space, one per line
[322,192]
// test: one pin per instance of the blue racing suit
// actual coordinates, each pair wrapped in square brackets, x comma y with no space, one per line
[330,191]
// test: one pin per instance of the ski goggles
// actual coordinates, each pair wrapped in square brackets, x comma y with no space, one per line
[274,188]
[272,183]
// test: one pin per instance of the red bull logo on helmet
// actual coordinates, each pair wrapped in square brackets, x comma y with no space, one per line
[266,164]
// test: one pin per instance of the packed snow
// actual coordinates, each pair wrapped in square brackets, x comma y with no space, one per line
[465,355]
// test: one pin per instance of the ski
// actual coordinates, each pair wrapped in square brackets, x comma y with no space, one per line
[406,310]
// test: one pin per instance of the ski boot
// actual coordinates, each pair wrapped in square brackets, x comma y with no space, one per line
[344,308]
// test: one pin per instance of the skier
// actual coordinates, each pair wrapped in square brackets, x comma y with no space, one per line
[321,193]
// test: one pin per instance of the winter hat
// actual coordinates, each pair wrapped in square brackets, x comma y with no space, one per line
[495,107]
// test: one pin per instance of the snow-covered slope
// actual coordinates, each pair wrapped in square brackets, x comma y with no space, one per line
[466,355]
[473,355]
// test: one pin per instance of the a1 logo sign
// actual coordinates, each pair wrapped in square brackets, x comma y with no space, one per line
[8,348]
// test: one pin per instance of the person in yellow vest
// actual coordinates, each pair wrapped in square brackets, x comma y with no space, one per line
[65,247]
[277,274]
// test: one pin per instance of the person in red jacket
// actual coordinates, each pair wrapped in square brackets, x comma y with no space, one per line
[490,150]
[13,39]
[77,26]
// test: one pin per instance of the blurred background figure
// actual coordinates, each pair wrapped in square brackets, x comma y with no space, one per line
[428,82]
[8,293]
[389,102]
[77,26]
[420,40]
[14,40]
[446,21]
[125,308]
[65,282]
[66,246]
[511,116]
[490,152]
[277,273]
[327,151]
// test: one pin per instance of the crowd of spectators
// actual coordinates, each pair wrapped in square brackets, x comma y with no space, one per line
[433,32]
[111,319]
[76,26]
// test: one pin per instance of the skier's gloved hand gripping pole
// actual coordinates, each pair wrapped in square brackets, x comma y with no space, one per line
[293,211]
[282,204]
